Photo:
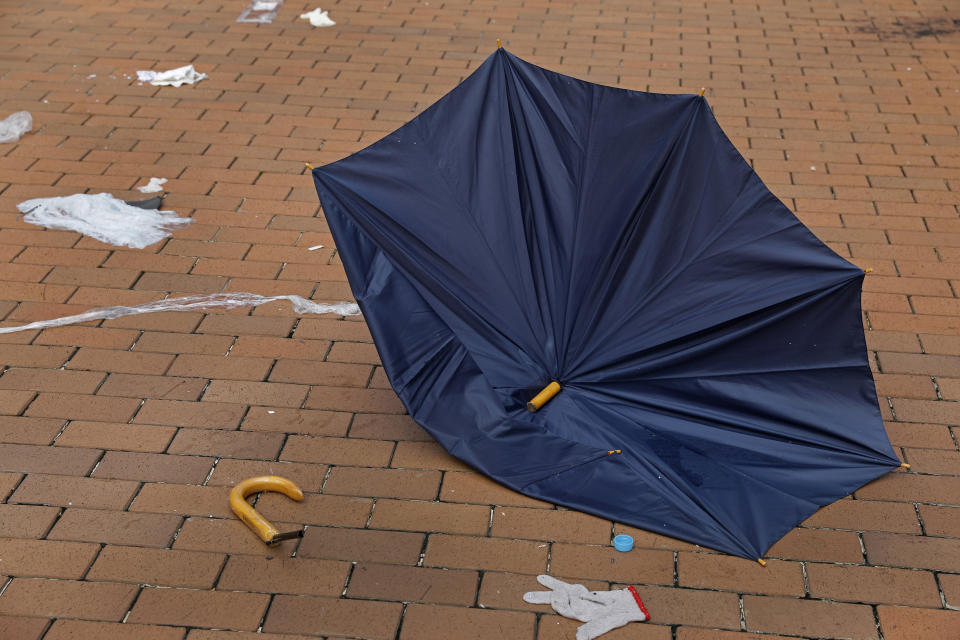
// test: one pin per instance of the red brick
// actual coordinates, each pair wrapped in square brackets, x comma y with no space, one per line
[25,521]
[872,584]
[153,467]
[896,550]
[413,584]
[13,402]
[142,386]
[160,567]
[45,558]
[229,368]
[479,489]
[115,435]
[809,617]
[183,500]
[322,373]
[354,352]
[81,407]
[80,629]
[116,527]
[189,607]
[361,545]
[940,520]
[120,361]
[425,455]
[265,346]
[22,355]
[28,458]
[902,623]
[227,444]
[434,622]
[543,524]
[351,399]
[819,545]
[713,571]
[912,487]
[339,451]
[175,413]
[410,515]
[865,515]
[22,628]
[284,575]
[312,422]
[262,393]
[65,491]
[371,620]
[392,483]
[387,427]
[57,380]
[180,343]
[67,599]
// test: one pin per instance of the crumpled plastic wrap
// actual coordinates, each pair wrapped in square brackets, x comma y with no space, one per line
[155,184]
[204,302]
[173,77]
[103,217]
[318,18]
[15,125]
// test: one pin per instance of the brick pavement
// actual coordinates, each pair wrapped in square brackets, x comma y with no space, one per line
[119,439]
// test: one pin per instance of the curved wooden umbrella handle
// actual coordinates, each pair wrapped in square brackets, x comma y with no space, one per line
[250,517]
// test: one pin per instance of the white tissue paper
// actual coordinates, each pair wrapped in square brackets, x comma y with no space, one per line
[103,217]
[15,125]
[203,302]
[173,77]
[318,18]
[155,184]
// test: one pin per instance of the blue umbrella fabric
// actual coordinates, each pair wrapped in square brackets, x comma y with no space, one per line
[530,227]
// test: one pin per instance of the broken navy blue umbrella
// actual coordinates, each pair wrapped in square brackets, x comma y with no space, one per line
[530,228]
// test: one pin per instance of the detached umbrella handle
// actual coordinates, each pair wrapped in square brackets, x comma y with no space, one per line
[250,517]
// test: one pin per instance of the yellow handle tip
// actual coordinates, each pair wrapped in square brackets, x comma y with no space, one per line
[542,398]
[250,516]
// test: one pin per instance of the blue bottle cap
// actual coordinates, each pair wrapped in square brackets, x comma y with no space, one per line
[623,543]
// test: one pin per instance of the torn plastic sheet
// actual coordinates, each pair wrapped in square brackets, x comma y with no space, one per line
[205,302]
[318,18]
[103,217]
[173,77]
[261,11]
[155,184]
[15,125]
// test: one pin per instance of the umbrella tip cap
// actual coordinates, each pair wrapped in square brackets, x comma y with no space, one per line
[499,44]
[762,562]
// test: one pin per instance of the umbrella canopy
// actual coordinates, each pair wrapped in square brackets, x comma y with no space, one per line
[530,227]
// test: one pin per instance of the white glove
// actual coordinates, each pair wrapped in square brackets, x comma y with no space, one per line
[602,610]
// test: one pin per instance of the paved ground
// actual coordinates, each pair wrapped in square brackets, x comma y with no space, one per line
[121,437]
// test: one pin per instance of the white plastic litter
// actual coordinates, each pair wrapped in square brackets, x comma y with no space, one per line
[318,18]
[155,184]
[92,75]
[103,217]
[315,247]
[173,77]
[204,302]
[261,11]
[15,126]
